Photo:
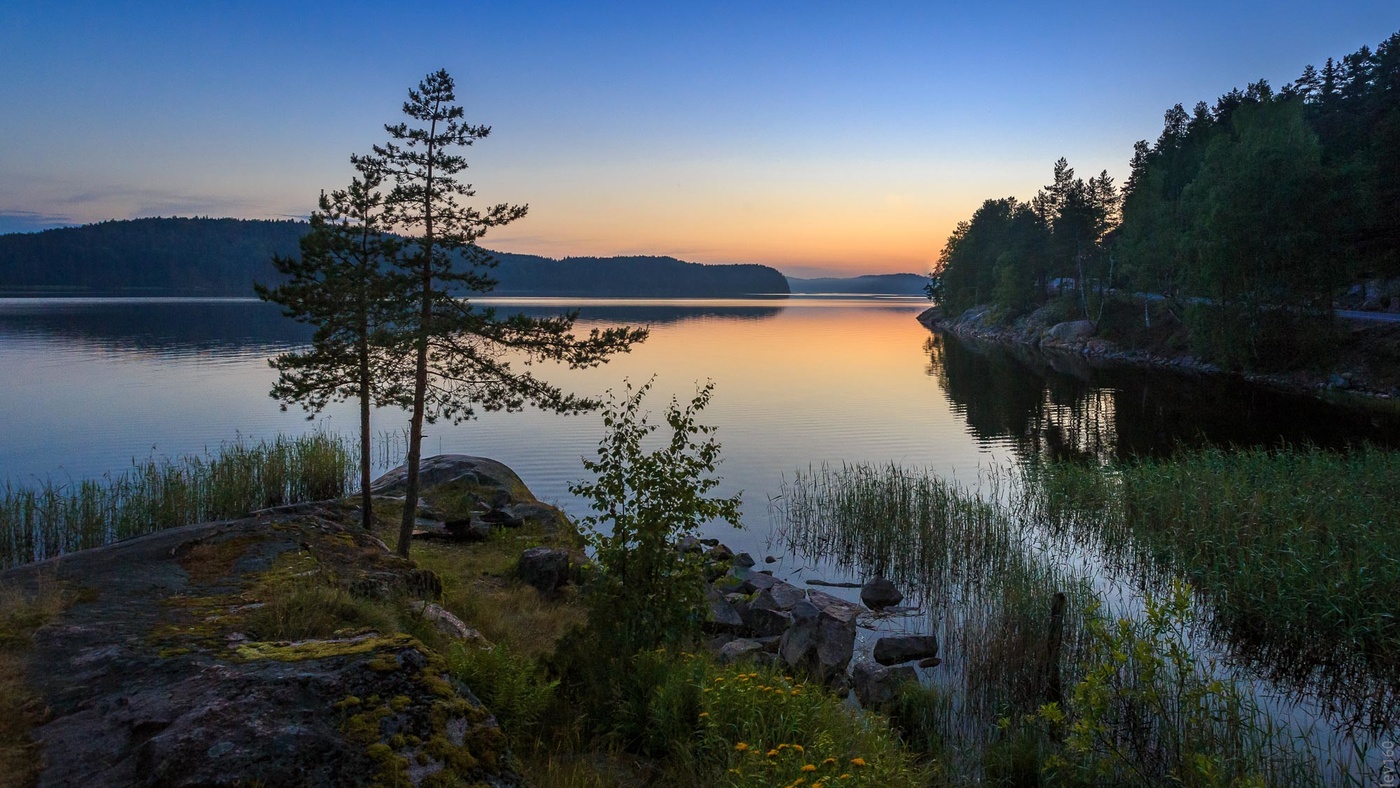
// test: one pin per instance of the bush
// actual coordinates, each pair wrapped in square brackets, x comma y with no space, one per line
[513,687]
[648,593]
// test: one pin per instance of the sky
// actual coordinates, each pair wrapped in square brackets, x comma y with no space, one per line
[819,138]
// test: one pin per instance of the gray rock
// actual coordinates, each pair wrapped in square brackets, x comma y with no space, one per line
[766,622]
[480,472]
[723,616]
[469,529]
[1071,331]
[931,662]
[743,560]
[690,544]
[448,624]
[824,600]
[779,596]
[759,581]
[720,553]
[876,686]
[905,648]
[736,650]
[822,646]
[880,593]
[545,568]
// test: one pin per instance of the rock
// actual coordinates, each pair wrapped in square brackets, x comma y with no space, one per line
[545,568]
[736,650]
[503,518]
[766,621]
[164,679]
[723,616]
[547,516]
[1071,331]
[824,600]
[759,581]
[770,560]
[720,553]
[448,624]
[690,544]
[743,560]
[779,596]
[822,646]
[880,593]
[931,662]
[478,475]
[905,648]
[469,529]
[877,686]
[710,542]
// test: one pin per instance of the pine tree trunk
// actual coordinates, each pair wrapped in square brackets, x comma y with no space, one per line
[415,437]
[366,500]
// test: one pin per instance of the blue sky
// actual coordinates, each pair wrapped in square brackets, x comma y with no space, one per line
[815,137]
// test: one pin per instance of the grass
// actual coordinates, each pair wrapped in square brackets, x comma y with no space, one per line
[1297,553]
[966,559]
[20,710]
[987,569]
[51,518]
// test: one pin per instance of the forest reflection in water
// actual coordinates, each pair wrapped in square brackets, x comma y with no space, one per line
[1064,407]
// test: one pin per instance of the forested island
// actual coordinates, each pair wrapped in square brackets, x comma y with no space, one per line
[870,284]
[223,257]
[1237,233]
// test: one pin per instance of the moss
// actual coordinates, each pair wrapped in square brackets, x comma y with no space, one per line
[400,702]
[321,649]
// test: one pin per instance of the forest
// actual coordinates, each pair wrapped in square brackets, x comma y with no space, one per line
[1237,230]
[223,257]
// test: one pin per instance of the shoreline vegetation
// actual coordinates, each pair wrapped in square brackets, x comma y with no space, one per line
[1234,239]
[1364,367]
[1240,560]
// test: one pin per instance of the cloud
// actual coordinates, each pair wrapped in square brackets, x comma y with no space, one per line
[31,221]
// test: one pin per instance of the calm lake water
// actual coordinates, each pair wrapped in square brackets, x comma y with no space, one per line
[88,385]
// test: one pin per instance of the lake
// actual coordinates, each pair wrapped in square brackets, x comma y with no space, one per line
[801,383]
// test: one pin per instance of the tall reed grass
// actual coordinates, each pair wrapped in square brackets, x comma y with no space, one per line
[1296,552]
[968,560]
[988,570]
[52,518]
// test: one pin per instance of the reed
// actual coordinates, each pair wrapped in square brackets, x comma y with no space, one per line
[52,518]
[1296,552]
[969,561]
[988,566]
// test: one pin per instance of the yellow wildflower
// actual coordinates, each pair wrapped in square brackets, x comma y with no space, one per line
[845,776]
[742,747]
[704,714]
[829,762]
[807,767]
[798,747]
[858,761]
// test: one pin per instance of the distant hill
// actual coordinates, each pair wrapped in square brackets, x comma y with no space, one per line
[223,257]
[883,284]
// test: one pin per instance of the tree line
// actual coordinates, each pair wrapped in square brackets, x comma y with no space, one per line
[223,257]
[1246,216]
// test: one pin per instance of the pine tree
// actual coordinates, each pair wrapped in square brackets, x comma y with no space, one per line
[460,354]
[338,285]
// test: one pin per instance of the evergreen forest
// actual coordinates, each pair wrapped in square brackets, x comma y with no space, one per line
[224,257]
[1237,231]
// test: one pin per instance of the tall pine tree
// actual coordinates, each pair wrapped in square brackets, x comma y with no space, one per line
[461,355]
[338,284]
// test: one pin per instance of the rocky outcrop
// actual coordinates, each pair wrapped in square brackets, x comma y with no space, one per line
[545,568]
[168,670]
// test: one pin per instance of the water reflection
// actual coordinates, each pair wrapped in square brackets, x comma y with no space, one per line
[1066,408]
[177,326]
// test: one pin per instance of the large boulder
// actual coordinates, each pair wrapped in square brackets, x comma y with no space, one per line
[877,686]
[545,568]
[880,593]
[895,649]
[1071,331]
[819,645]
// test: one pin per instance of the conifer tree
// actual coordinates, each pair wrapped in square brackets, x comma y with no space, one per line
[338,284]
[460,355]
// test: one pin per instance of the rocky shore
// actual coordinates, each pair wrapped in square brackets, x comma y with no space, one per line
[1077,338]
[170,661]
